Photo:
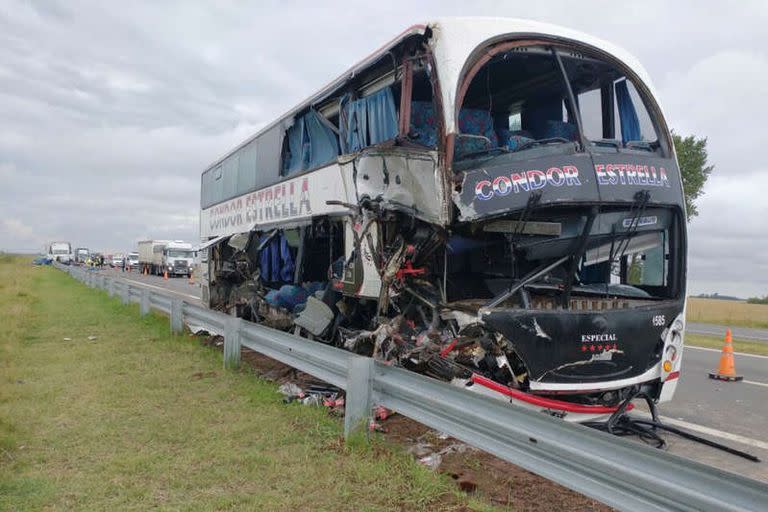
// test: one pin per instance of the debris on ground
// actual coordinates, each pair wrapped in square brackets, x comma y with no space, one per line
[502,483]
[212,340]
[67,339]
[431,454]
[92,338]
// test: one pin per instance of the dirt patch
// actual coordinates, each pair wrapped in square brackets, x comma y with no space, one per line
[493,480]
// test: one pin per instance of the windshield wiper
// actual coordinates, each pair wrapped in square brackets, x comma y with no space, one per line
[578,254]
[638,208]
[539,272]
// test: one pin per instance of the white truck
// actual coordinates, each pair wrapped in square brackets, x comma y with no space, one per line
[160,256]
[60,251]
[81,255]
[132,261]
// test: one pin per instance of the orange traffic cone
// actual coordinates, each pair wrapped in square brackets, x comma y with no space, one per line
[146,271]
[727,370]
[165,275]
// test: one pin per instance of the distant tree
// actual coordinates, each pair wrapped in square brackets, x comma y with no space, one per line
[758,300]
[692,157]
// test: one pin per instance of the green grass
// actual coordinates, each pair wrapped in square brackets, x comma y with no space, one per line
[748,347]
[139,419]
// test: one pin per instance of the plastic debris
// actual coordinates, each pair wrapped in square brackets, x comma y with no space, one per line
[67,339]
[92,338]
[432,461]
[291,392]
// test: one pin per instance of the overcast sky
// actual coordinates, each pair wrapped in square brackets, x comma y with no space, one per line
[110,111]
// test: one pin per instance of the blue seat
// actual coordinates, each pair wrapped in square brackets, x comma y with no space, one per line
[423,123]
[560,129]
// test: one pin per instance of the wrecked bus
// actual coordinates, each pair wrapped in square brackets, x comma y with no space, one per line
[495,203]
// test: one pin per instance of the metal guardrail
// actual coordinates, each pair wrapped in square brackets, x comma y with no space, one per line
[625,475]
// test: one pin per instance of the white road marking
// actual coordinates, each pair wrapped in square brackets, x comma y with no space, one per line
[765,385]
[715,433]
[740,354]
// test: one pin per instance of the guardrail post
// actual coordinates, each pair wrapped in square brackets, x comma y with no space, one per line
[232,342]
[359,402]
[111,287]
[125,295]
[144,302]
[177,318]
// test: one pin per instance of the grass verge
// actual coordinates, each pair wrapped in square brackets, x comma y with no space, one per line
[137,419]
[747,347]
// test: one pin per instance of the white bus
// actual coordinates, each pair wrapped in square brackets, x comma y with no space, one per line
[492,202]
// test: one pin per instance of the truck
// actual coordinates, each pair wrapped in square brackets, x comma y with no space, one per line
[160,256]
[117,261]
[61,252]
[81,255]
[132,261]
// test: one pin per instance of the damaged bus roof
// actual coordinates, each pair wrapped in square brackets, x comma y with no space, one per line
[453,41]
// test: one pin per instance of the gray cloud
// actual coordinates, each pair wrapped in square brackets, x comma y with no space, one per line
[109,115]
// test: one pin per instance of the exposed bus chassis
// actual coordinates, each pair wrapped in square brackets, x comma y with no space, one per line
[384,293]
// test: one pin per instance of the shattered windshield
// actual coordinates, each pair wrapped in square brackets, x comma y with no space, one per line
[519,100]
[572,252]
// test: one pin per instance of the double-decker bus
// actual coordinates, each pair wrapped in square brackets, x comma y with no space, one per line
[492,202]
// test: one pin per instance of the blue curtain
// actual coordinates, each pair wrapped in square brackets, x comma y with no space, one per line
[630,125]
[367,121]
[312,143]
[276,261]
[323,146]
[353,124]
[382,116]
[296,139]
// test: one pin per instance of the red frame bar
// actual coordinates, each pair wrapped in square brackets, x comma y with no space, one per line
[541,401]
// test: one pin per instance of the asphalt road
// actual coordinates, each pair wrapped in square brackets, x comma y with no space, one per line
[732,413]
[740,333]
[177,285]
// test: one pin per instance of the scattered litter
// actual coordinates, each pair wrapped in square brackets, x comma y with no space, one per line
[432,461]
[19,381]
[92,338]
[421,449]
[375,426]
[67,339]
[315,400]
[290,392]
[315,395]
[432,456]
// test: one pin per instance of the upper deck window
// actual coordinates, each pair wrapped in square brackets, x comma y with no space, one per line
[612,111]
[311,142]
[519,99]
